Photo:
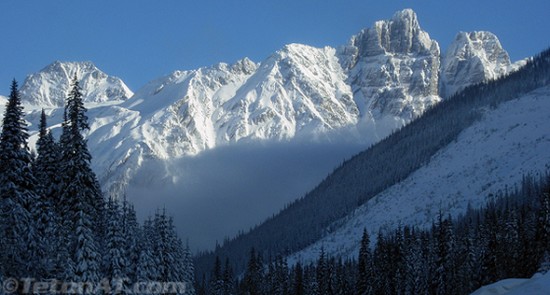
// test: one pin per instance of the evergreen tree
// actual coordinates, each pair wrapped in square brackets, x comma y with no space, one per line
[253,278]
[365,275]
[115,263]
[46,166]
[228,279]
[17,193]
[189,273]
[46,172]
[87,259]
[147,262]
[543,229]
[298,283]
[279,276]
[217,285]
[444,256]
[130,233]
[81,199]
[324,275]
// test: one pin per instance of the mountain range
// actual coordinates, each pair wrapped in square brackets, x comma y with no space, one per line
[445,131]
[384,77]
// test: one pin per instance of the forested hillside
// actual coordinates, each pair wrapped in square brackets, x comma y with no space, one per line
[379,167]
[507,238]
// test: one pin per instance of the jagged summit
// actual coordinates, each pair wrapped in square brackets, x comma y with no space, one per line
[472,58]
[48,87]
[399,35]
[393,67]
[245,65]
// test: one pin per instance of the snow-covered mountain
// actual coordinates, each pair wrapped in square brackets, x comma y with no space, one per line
[385,76]
[49,87]
[299,89]
[393,67]
[473,58]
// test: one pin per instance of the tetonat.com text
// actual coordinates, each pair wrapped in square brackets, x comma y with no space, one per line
[106,286]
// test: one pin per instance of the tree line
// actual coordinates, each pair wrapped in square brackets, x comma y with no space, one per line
[55,222]
[508,237]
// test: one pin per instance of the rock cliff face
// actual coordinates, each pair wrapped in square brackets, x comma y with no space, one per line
[393,67]
[472,58]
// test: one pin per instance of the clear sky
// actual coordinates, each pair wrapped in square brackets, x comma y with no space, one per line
[141,40]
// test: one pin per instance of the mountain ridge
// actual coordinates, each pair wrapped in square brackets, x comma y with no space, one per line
[49,86]
[386,76]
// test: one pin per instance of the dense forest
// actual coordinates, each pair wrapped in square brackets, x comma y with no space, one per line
[370,172]
[56,227]
[509,237]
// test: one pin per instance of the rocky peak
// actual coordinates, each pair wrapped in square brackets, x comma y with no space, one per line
[472,58]
[49,87]
[393,67]
[245,66]
[400,35]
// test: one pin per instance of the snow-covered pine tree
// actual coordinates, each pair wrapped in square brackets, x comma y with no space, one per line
[415,268]
[46,166]
[160,245]
[324,274]
[81,199]
[17,193]
[115,263]
[444,239]
[382,264]
[227,278]
[170,253]
[253,277]
[175,248]
[86,256]
[365,277]
[281,275]
[46,171]
[216,280]
[188,271]
[183,268]
[147,263]
[130,232]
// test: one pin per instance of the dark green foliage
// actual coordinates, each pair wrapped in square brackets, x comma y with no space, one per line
[253,282]
[54,223]
[46,214]
[365,267]
[19,245]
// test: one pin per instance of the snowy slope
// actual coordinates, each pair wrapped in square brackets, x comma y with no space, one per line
[177,110]
[490,155]
[538,284]
[297,90]
[49,87]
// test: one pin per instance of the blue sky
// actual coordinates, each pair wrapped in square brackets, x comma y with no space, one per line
[142,40]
